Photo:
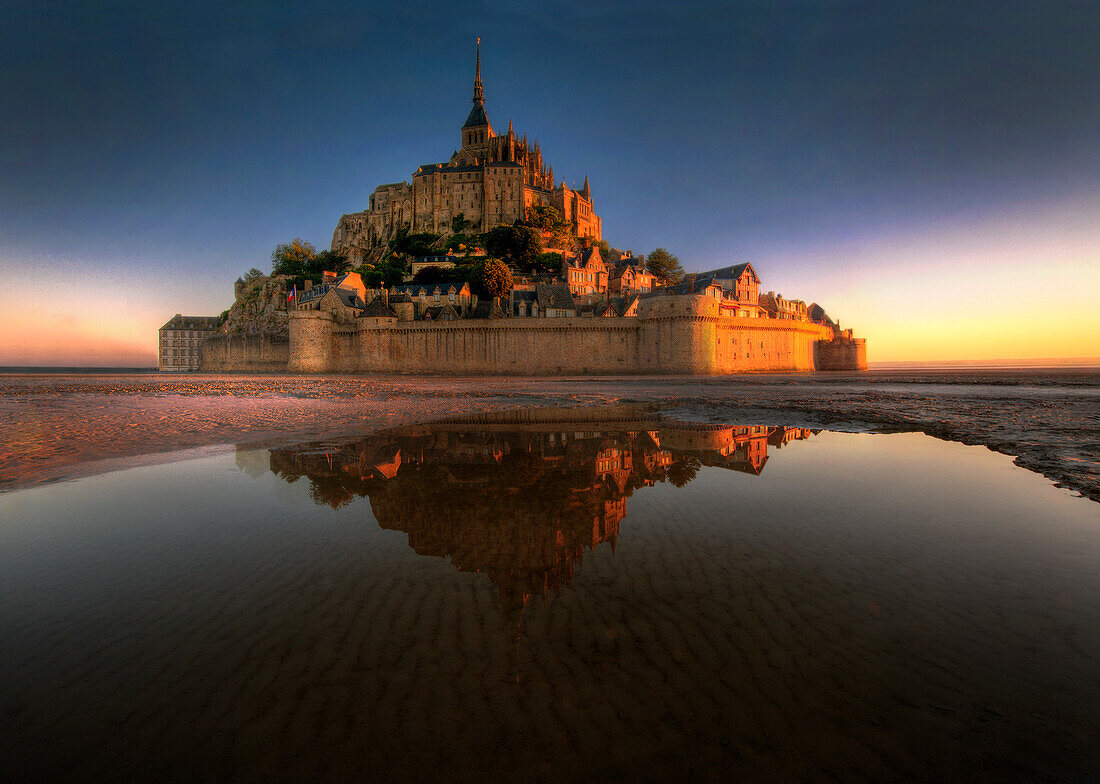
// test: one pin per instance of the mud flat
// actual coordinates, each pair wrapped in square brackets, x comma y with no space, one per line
[58,427]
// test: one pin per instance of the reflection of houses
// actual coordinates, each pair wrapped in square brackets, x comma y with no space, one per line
[519,501]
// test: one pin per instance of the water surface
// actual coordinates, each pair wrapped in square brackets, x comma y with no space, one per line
[555,596]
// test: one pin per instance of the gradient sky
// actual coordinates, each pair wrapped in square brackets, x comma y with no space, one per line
[928,171]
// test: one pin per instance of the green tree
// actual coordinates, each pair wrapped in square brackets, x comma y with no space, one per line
[389,271]
[420,244]
[252,274]
[493,279]
[292,258]
[459,224]
[549,262]
[519,244]
[426,275]
[684,470]
[605,249]
[329,261]
[542,216]
[664,266]
[500,241]
[528,246]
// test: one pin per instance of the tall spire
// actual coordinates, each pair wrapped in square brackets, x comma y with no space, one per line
[479,96]
[477,117]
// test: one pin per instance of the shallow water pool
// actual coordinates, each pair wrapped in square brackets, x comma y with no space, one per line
[555,596]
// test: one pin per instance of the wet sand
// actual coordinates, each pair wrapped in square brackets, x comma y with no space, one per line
[60,427]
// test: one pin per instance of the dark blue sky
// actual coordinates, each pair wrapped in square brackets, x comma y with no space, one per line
[145,138]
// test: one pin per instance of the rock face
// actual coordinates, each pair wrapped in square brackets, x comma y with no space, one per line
[260,308]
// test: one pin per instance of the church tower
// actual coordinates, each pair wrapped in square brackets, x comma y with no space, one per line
[477,129]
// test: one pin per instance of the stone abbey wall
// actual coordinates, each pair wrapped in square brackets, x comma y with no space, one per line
[671,335]
[244,354]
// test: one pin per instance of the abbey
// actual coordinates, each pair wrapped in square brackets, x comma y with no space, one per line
[491,180]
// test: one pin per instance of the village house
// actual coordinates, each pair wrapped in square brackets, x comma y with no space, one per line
[555,300]
[778,307]
[524,303]
[309,298]
[180,344]
[445,262]
[737,287]
[586,274]
[435,295]
[630,277]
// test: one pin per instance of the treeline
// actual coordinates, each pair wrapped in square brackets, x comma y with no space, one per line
[520,246]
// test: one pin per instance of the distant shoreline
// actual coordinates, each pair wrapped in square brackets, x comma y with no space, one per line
[988,364]
[73,369]
[960,365]
[1082,363]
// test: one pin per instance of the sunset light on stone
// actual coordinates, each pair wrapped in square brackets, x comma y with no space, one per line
[560,392]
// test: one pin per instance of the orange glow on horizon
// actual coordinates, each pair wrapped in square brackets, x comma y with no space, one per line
[1015,286]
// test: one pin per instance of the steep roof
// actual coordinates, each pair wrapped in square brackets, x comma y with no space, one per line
[440,311]
[623,304]
[487,309]
[698,284]
[378,308]
[476,116]
[349,297]
[555,295]
[732,272]
[191,322]
[590,254]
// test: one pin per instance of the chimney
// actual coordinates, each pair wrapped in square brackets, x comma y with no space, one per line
[328,277]
[307,285]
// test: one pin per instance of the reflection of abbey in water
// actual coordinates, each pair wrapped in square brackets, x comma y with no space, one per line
[521,500]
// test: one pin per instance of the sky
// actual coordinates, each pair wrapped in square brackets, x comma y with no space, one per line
[929,172]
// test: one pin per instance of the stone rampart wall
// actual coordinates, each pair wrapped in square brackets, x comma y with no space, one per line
[244,354]
[680,335]
[841,355]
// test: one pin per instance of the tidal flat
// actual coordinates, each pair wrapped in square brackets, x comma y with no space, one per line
[640,592]
[55,427]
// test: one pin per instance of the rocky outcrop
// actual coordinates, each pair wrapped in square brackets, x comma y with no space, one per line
[260,309]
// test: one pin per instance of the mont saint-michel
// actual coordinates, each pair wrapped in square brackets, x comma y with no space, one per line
[487,264]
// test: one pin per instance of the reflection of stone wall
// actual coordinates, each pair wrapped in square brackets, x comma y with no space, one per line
[520,503]
[683,334]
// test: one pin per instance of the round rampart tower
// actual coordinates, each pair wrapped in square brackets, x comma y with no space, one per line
[311,341]
[678,334]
